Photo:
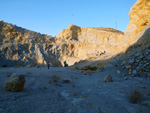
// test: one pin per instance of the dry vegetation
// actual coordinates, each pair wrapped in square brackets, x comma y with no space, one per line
[135,96]
[109,30]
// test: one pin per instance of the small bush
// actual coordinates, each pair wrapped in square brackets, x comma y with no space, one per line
[4,66]
[44,87]
[77,67]
[91,68]
[55,78]
[29,73]
[135,96]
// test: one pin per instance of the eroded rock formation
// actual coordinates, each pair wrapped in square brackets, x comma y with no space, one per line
[23,47]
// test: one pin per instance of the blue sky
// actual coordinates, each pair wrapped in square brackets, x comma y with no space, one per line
[51,16]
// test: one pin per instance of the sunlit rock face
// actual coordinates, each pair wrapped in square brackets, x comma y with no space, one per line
[137,40]
[139,18]
[21,47]
[84,43]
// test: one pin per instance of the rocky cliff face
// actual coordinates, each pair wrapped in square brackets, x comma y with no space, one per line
[137,33]
[85,43]
[23,47]
[139,18]
[136,59]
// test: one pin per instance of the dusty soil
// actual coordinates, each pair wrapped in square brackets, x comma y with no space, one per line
[46,91]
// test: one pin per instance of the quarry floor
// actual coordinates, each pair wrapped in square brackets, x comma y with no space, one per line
[67,90]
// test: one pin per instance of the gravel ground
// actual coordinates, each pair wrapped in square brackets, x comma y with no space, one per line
[46,91]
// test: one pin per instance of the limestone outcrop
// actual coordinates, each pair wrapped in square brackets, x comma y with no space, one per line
[85,43]
[139,18]
[21,47]
[137,41]
[15,83]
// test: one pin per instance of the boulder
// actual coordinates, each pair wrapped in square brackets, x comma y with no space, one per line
[108,78]
[15,83]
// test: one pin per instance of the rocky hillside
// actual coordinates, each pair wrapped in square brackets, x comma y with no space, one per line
[21,47]
[139,18]
[136,59]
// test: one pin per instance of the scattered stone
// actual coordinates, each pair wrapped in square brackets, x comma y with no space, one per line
[141,56]
[133,75]
[15,83]
[118,71]
[131,61]
[128,67]
[108,78]
[66,81]
[134,72]
[126,78]
[64,94]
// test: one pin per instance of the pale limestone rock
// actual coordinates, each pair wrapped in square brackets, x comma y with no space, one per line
[108,78]
[139,18]
[15,83]
[83,43]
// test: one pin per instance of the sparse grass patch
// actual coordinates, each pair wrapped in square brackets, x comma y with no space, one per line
[55,78]
[49,81]
[29,73]
[37,66]
[44,87]
[135,96]
[118,55]
[77,67]
[20,65]
[100,111]
[91,68]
